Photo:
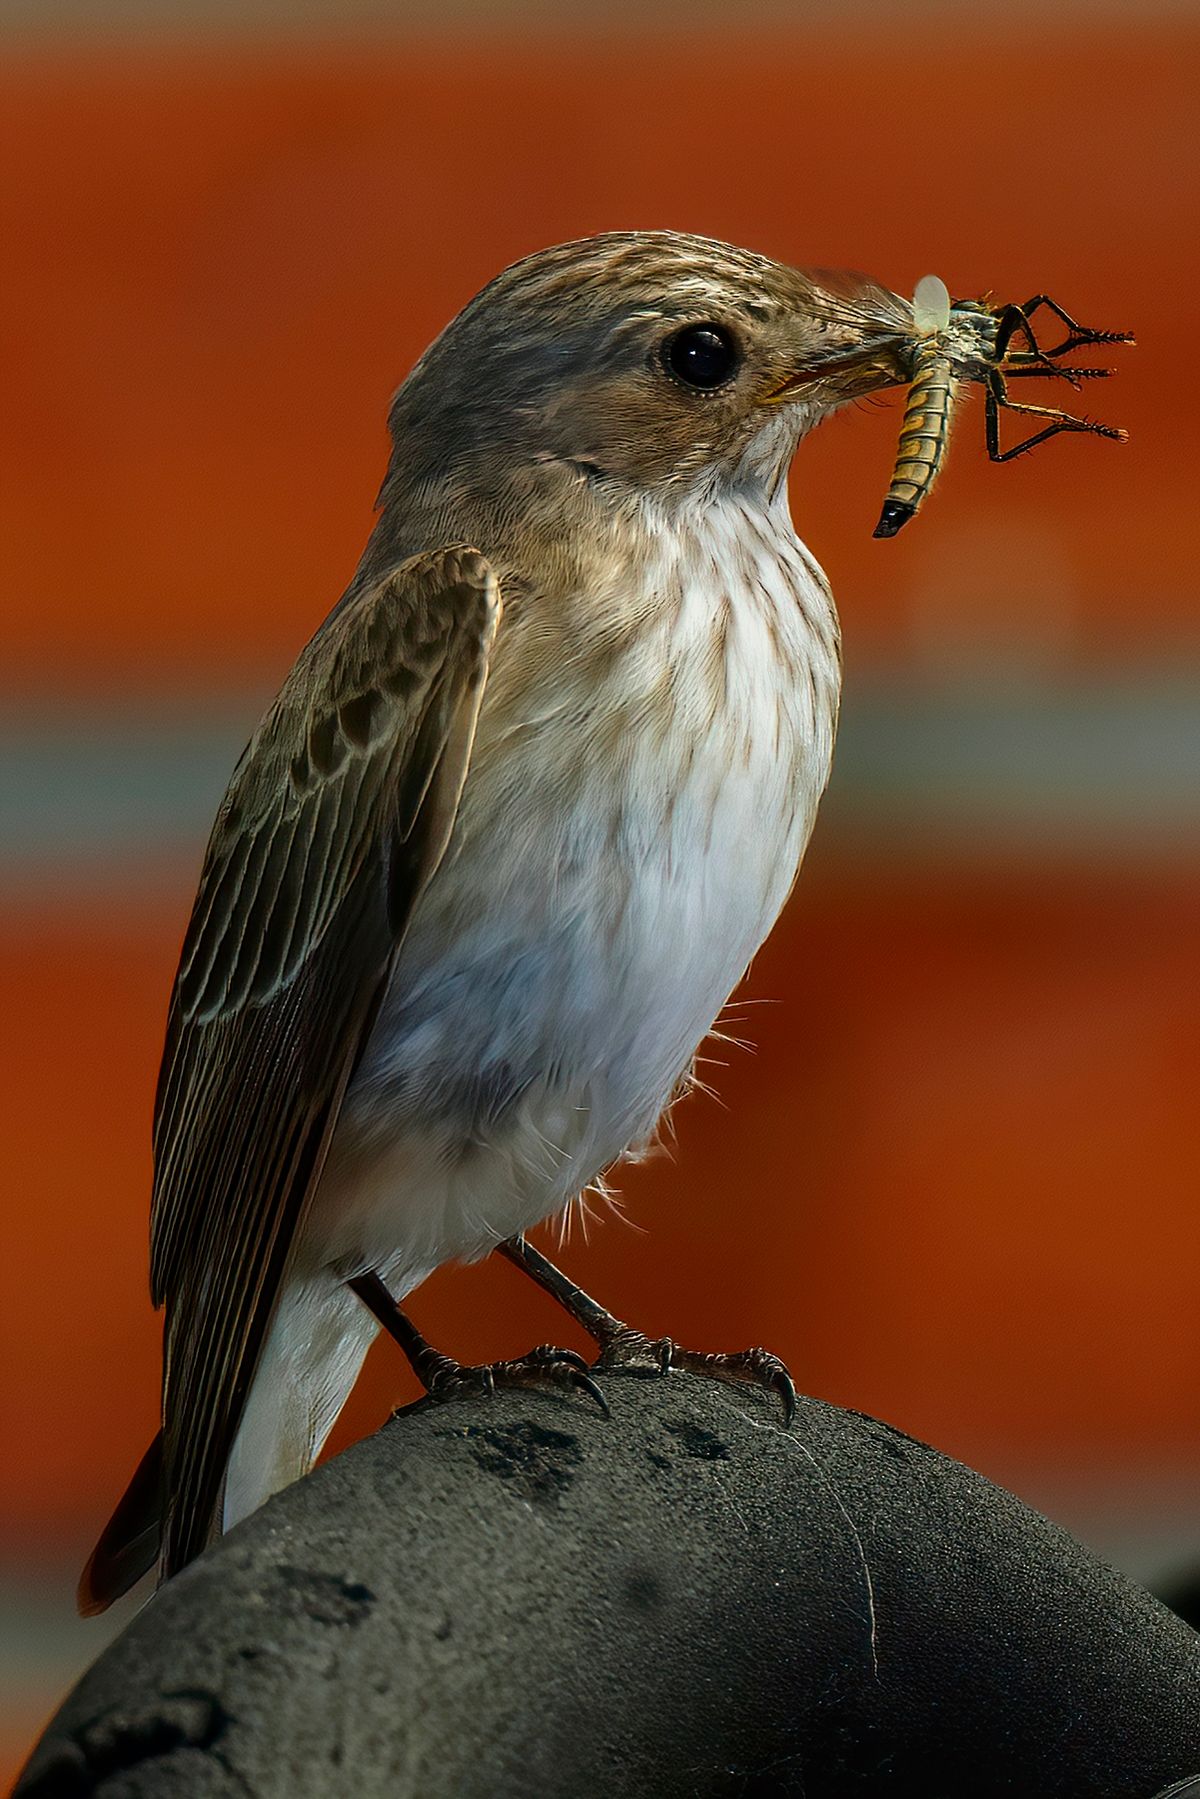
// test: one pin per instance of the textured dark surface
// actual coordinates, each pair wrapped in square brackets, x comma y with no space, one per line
[521,1598]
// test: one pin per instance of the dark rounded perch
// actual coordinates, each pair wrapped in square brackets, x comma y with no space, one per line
[521,1599]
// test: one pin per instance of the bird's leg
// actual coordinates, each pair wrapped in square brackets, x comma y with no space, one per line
[625,1348]
[546,1368]
[620,1346]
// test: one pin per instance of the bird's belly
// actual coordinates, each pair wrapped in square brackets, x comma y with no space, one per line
[550,996]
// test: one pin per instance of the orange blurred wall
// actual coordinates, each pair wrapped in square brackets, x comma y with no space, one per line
[955,1182]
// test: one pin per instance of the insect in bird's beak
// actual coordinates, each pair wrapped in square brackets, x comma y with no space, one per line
[861,361]
[965,340]
[850,372]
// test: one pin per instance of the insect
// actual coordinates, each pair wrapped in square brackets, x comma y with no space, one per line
[965,340]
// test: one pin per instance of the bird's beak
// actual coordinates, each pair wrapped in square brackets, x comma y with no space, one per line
[852,338]
[841,375]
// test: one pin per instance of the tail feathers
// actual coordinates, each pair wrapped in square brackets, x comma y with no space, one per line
[130,1541]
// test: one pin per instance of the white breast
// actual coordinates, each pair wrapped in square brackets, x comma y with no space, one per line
[623,848]
[752,650]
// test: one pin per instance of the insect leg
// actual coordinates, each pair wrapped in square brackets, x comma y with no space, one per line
[1014,322]
[991,414]
[1036,362]
[997,397]
[1017,317]
[1020,366]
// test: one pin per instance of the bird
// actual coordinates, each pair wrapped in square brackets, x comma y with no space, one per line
[519,818]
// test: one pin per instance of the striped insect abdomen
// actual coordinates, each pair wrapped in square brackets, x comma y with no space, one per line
[923,437]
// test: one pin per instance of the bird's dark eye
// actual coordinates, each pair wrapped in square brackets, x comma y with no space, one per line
[703,356]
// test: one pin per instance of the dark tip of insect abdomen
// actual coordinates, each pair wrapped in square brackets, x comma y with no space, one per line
[895,514]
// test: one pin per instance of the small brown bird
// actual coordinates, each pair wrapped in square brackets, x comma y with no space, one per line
[523,811]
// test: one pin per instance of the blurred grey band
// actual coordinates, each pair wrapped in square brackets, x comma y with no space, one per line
[1106,770]
[237,20]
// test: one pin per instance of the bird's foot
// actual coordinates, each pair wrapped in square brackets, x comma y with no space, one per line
[546,1369]
[634,1353]
[743,1368]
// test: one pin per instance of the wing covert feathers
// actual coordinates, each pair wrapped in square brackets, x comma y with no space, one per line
[336,816]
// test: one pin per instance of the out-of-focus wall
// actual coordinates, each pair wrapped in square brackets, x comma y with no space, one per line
[953,1181]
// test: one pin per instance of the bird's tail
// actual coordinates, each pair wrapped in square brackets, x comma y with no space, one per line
[315,1347]
[130,1541]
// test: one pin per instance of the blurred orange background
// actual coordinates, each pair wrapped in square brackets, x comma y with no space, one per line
[953,1181]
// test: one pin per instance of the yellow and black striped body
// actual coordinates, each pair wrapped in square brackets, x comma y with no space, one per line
[923,435]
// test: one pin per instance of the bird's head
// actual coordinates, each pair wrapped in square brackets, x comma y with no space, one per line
[649,362]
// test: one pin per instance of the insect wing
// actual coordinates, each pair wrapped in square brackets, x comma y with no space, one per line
[931,306]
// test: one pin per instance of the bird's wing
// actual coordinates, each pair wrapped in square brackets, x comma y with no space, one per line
[335,818]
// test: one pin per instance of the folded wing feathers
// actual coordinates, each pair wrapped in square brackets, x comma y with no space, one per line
[315,861]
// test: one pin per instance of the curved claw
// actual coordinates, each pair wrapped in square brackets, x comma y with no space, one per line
[745,1367]
[545,1369]
[563,1367]
[632,1352]
[586,1384]
[785,1386]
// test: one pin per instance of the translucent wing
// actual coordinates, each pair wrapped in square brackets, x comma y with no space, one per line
[931,306]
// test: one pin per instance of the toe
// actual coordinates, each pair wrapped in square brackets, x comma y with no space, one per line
[550,1369]
[634,1353]
[748,1368]
[549,1355]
